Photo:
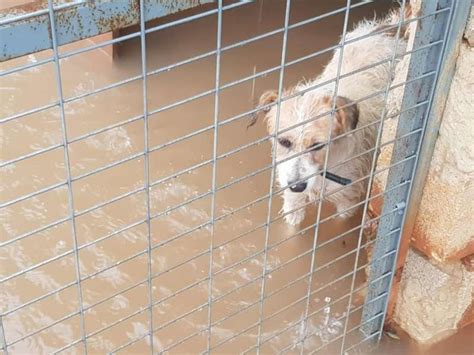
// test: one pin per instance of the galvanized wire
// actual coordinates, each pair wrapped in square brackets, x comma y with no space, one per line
[229,120]
[146,168]
[225,121]
[216,298]
[374,162]
[273,170]
[163,243]
[215,188]
[268,296]
[229,47]
[214,170]
[331,303]
[224,155]
[68,170]
[199,307]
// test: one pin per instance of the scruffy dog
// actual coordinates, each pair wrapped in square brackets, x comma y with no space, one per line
[300,151]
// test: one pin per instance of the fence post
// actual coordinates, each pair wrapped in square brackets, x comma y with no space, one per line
[435,64]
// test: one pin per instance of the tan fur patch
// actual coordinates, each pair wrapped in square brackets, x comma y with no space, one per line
[266,99]
[347,114]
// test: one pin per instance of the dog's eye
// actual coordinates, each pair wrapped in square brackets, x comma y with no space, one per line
[316,146]
[284,142]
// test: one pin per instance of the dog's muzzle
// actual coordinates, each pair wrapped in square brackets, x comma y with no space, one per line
[298,187]
[301,186]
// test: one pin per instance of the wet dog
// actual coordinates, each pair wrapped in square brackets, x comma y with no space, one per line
[347,111]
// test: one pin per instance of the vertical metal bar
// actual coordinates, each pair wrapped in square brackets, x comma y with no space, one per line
[67,162]
[214,170]
[272,174]
[428,30]
[372,170]
[455,24]
[458,23]
[323,184]
[147,168]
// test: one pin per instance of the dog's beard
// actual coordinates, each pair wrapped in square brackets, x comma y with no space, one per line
[298,170]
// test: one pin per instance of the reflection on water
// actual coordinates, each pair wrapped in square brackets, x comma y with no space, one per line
[112,239]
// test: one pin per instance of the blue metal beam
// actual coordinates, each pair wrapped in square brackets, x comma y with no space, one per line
[22,34]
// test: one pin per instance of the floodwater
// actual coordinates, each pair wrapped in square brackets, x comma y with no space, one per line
[41,305]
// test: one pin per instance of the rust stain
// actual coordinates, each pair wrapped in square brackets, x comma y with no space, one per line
[468,262]
[25,8]
[74,26]
[136,6]
[131,17]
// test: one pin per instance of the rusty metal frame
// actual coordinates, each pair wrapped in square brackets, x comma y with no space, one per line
[25,29]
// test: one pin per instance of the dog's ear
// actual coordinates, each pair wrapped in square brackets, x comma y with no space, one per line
[347,114]
[267,98]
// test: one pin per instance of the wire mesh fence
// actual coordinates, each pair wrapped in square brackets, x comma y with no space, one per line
[141,214]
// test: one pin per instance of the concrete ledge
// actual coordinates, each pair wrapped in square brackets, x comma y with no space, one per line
[427,308]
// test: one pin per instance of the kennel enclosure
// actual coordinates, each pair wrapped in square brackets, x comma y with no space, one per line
[50,27]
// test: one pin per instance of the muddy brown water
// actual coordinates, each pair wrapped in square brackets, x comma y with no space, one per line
[180,257]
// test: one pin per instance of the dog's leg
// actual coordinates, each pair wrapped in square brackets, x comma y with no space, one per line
[346,207]
[293,202]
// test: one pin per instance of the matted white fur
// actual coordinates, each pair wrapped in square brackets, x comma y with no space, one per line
[356,55]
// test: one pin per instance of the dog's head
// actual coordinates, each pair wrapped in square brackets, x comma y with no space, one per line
[300,150]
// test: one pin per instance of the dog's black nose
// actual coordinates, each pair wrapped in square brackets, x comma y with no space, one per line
[299,187]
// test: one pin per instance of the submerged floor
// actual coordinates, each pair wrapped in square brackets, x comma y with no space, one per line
[180,251]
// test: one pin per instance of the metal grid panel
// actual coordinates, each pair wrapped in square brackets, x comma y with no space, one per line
[429,47]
